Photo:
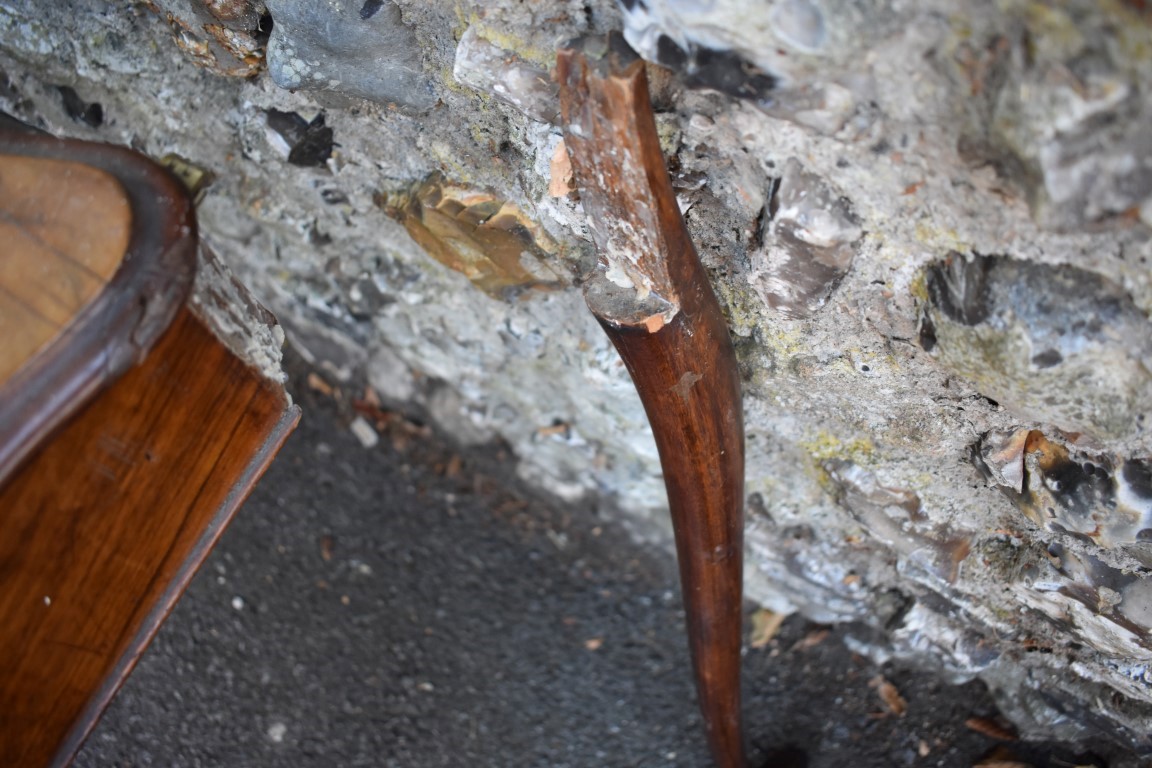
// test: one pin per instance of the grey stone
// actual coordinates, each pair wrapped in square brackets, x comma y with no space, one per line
[799,23]
[809,238]
[505,75]
[675,37]
[927,117]
[456,416]
[391,376]
[329,45]
[1074,111]
[750,48]
[1054,344]
[896,517]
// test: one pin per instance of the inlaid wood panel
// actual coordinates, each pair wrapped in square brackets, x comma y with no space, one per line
[97,253]
[129,433]
[64,229]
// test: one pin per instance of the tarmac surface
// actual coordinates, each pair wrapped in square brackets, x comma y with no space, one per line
[406,606]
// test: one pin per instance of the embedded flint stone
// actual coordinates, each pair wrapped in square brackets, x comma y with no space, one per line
[690,38]
[488,68]
[1119,596]
[1093,496]
[330,45]
[1074,113]
[895,516]
[809,240]
[307,143]
[487,239]
[1053,344]
[753,49]
[222,36]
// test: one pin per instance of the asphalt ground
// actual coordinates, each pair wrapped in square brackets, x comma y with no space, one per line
[408,606]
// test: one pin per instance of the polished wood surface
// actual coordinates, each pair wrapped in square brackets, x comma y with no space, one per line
[97,254]
[102,529]
[58,250]
[669,330]
[129,433]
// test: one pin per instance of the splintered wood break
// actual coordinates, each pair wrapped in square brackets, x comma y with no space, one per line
[653,300]
[560,172]
[632,214]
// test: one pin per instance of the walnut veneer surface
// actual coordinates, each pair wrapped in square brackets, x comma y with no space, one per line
[129,433]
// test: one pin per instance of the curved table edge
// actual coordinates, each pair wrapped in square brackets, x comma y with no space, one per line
[126,319]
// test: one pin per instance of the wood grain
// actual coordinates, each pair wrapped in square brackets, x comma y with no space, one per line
[59,250]
[102,529]
[653,299]
[76,211]
[97,253]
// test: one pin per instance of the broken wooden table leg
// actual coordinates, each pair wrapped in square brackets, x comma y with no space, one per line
[652,297]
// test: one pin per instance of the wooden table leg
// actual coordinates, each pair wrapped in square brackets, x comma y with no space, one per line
[653,299]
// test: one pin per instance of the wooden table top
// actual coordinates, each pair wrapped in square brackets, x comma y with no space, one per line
[130,433]
[97,254]
[64,231]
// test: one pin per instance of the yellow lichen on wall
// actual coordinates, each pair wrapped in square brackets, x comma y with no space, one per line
[500,37]
[825,445]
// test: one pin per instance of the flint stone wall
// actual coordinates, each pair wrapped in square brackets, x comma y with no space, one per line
[930,226]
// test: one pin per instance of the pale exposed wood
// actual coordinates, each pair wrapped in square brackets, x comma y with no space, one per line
[86,287]
[100,531]
[22,333]
[76,210]
[668,327]
[64,231]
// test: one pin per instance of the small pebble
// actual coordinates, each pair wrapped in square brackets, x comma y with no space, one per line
[276,732]
[364,432]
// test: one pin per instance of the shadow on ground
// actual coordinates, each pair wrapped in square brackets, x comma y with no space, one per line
[399,606]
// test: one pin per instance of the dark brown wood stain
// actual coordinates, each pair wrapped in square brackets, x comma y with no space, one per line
[676,346]
[102,529]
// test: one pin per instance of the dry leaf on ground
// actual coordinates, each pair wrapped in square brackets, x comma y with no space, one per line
[317,384]
[372,413]
[889,695]
[812,639]
[1001,757]
[370,397]
[765,625]
[992,728]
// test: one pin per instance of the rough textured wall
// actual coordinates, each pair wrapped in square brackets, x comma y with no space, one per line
[929,225]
